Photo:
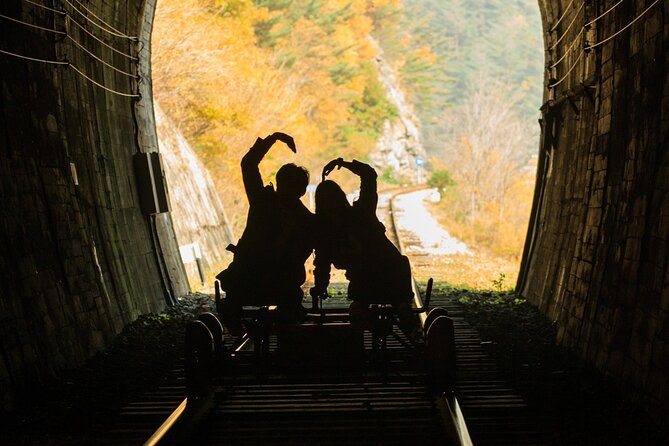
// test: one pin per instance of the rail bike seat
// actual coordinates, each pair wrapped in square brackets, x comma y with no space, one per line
[385,309]
[382,316]
[256,317]
[252,306]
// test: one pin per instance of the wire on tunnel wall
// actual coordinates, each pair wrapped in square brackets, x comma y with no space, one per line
[32,25]
[564,14]
[558,82]
[573,42]
[109,28]
[586,46]
[566,31]
[605,13]
[594,45]
[84,49]
[68,20]
[39,5]
[20,56]
[83,28]
[128,95]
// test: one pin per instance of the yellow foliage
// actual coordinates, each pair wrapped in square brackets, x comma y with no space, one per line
[356,84]
[425,53]
[366,50]
[377,4]
[223,88]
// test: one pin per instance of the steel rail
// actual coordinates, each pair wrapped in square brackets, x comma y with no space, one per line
[165,428]
[448,404]
[188,411]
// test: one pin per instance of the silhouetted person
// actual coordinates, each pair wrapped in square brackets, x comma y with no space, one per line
[352,238]
[268,264]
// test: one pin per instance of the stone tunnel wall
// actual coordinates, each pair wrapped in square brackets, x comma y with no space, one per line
[78,261]
[596,259]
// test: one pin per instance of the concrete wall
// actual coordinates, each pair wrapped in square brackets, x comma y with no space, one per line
[78,262]
[596,256]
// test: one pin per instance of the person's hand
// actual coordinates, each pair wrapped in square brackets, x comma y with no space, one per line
[329,167]
[285,138]
[319,293]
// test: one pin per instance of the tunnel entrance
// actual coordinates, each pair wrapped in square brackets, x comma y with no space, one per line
[595,256]
[456,109]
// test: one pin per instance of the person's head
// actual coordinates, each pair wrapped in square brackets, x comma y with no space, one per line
[330,199]
[292,181]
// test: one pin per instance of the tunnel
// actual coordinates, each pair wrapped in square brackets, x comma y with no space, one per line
[88,240]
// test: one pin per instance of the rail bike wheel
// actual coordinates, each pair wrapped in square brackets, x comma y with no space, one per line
[440,355]
[432,315]
[199,358]
[216,329]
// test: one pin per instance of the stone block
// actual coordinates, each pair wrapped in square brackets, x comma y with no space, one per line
[616,363]
[600,163]
[640,205]
[632,249]
[15,357]
[604,124]
[635,43]
[659,358]
[658,274]
[629,295]
[593,221]
[600,357]
[664,301]
[97,341]
[629,370]
[606,89]
[652,25]
[48,325]
[29,354]
[656,383]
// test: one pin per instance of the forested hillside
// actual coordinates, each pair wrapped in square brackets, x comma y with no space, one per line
[472,43]
[228,71]
[478,100]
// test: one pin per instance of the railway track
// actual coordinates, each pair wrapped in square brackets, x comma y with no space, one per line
[296,396]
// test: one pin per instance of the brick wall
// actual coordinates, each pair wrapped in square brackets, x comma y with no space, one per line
[596,255]
[78,262]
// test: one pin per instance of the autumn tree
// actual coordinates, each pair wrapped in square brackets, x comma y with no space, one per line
[228,71]
[485,152]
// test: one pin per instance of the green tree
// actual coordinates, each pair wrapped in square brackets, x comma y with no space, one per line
[441,180]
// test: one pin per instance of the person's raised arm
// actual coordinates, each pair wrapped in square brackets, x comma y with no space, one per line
[253,183]
[368,195]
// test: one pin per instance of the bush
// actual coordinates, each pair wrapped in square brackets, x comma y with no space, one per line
[440,179]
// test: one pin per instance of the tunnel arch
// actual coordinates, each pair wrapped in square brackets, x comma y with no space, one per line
[81,256]
[82,260]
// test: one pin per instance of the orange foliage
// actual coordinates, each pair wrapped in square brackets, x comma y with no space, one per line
[222,88]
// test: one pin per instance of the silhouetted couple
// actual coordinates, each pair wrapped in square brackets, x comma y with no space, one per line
[280,234]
